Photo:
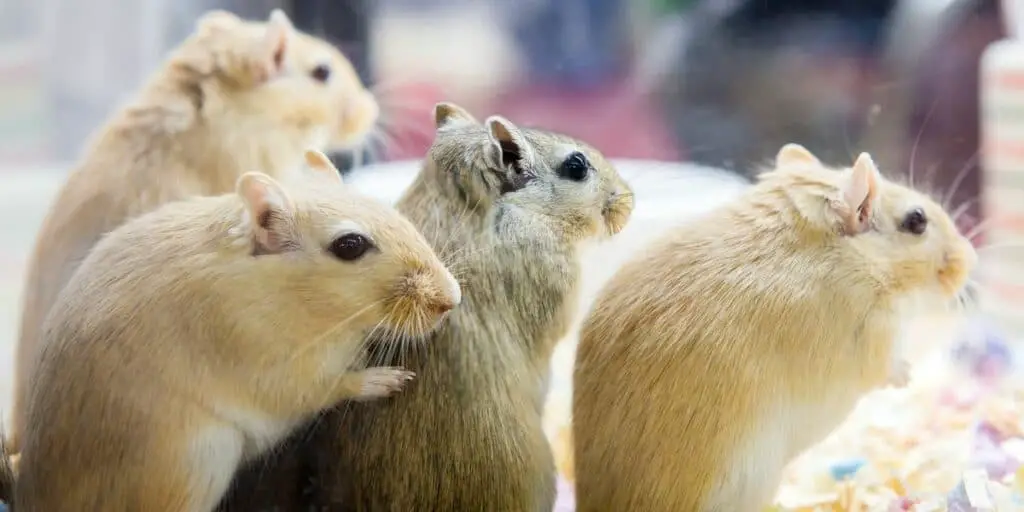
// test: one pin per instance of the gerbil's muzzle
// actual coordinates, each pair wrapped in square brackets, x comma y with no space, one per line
[424,297]
[617,210]
[956,268]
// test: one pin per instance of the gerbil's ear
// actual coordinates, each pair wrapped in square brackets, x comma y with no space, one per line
[319,162]
[508,148]
[858,195]
[216,19]
[791,154]
[276,41]
[269,212]
[445,113]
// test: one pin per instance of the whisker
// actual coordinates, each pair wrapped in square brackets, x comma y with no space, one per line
[962,209]
[414,128]
[1001,245]
[303,348]
[917,140]
[458,222]
[980,227]
[407,127]
[370,338]
[385,89]
[958,180]
[393,349]
[406,107]
[397,138]
[388,143]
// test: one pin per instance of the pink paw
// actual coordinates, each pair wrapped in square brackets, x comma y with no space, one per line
[384,381]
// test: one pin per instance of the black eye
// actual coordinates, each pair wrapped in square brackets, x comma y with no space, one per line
[575,167]
[350,247]
[914,222]
[321,73]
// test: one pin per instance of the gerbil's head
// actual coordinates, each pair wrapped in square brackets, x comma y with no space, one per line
[490,160]
[344,256]
[902,232]
[269,76]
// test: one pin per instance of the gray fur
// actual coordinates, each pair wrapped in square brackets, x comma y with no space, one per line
[467,433]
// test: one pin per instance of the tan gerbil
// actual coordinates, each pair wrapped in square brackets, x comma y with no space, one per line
[747,335]
[199,335]
[235,96]
[508,209]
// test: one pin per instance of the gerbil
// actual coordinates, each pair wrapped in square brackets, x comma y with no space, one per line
[197,336]
[508,208]
[235,96]
[745,336]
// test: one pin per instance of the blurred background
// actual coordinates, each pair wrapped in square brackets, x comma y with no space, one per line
[720,83]
[717,82]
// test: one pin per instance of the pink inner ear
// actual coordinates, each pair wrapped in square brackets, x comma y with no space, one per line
[864,215]
[276,44]
[856,219]
[279,54]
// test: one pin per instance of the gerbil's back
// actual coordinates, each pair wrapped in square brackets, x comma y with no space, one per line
[147,265]
[728,271]
[714,314]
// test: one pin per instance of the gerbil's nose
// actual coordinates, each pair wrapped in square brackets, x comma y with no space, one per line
[443,306]
[443,294]
[453,293]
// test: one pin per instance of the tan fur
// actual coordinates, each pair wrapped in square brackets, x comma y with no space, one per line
[199,335]
[236,96]
[745,336]
[466,435]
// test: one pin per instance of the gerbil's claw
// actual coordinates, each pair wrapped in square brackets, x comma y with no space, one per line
[384,381]
[899,374]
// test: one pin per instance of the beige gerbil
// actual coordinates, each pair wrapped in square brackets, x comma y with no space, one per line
[235,96]
[508,208]
[747,335]
[197,336]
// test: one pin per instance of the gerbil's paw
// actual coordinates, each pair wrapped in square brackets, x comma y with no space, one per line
[384,381]
[899,374]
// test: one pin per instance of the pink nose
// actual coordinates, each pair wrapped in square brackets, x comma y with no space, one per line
[442,306]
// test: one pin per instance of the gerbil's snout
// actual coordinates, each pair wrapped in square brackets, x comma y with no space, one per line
[425,296]
[442,297]
[957,264]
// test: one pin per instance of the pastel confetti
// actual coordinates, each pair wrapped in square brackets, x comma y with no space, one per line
[911,449]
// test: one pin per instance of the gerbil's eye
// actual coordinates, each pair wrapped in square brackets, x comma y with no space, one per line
[914,222]
[350,247]
[321,73]
[575,167]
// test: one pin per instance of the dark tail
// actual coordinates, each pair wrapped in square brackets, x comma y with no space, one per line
[6,475]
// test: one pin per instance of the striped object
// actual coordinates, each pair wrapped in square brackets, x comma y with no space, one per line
[1002,153]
